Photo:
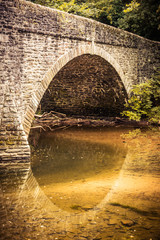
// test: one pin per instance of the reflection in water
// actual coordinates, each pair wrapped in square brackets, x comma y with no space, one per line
[104,198]
[76,168]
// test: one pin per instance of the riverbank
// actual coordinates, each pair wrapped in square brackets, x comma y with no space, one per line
[54,121]
[129,209]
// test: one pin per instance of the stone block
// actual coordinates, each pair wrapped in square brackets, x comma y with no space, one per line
[34,53]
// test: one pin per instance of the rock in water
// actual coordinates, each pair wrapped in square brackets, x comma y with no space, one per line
[127,222]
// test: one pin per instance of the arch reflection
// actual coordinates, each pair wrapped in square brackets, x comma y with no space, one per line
[27,211]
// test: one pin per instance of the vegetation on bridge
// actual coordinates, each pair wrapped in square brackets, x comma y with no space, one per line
[137,16]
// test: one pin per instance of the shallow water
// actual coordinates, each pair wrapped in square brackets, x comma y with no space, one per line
[77,167]
[85,184]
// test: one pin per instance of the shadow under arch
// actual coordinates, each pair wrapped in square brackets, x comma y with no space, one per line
[57,66]
[31,183]
[129,182]
[124,188]
[62,219]
[51,73]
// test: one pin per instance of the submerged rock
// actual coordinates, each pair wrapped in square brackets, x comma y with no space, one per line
[127,222]
[113,221]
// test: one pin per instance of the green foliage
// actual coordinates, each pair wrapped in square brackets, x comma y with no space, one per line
[137,16]
[145,101]
[131,6]
[142,17]
[109,11]
[139,103]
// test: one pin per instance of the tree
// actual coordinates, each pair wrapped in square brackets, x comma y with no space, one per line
[144,102]
[142,18]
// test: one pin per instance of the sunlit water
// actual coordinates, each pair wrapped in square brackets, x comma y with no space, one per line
[94,180]
[77,167]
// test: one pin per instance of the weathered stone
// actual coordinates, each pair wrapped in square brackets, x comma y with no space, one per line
[127,222]
[113,221]
[90,65]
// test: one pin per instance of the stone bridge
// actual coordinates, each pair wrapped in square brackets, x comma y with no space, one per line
[79,66]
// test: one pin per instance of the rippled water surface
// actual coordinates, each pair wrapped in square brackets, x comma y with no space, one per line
[84,184]
[77,167]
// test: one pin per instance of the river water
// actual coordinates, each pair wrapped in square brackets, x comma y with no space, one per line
[86,183]
[77,167]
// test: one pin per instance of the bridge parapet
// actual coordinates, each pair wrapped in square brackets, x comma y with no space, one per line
[36,42]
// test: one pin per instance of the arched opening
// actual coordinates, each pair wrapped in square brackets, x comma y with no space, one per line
[60,64]
[86,85]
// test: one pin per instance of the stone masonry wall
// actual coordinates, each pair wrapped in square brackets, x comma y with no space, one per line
[35,43]
[87,85]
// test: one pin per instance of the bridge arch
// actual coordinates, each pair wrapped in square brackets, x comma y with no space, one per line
[57,66]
